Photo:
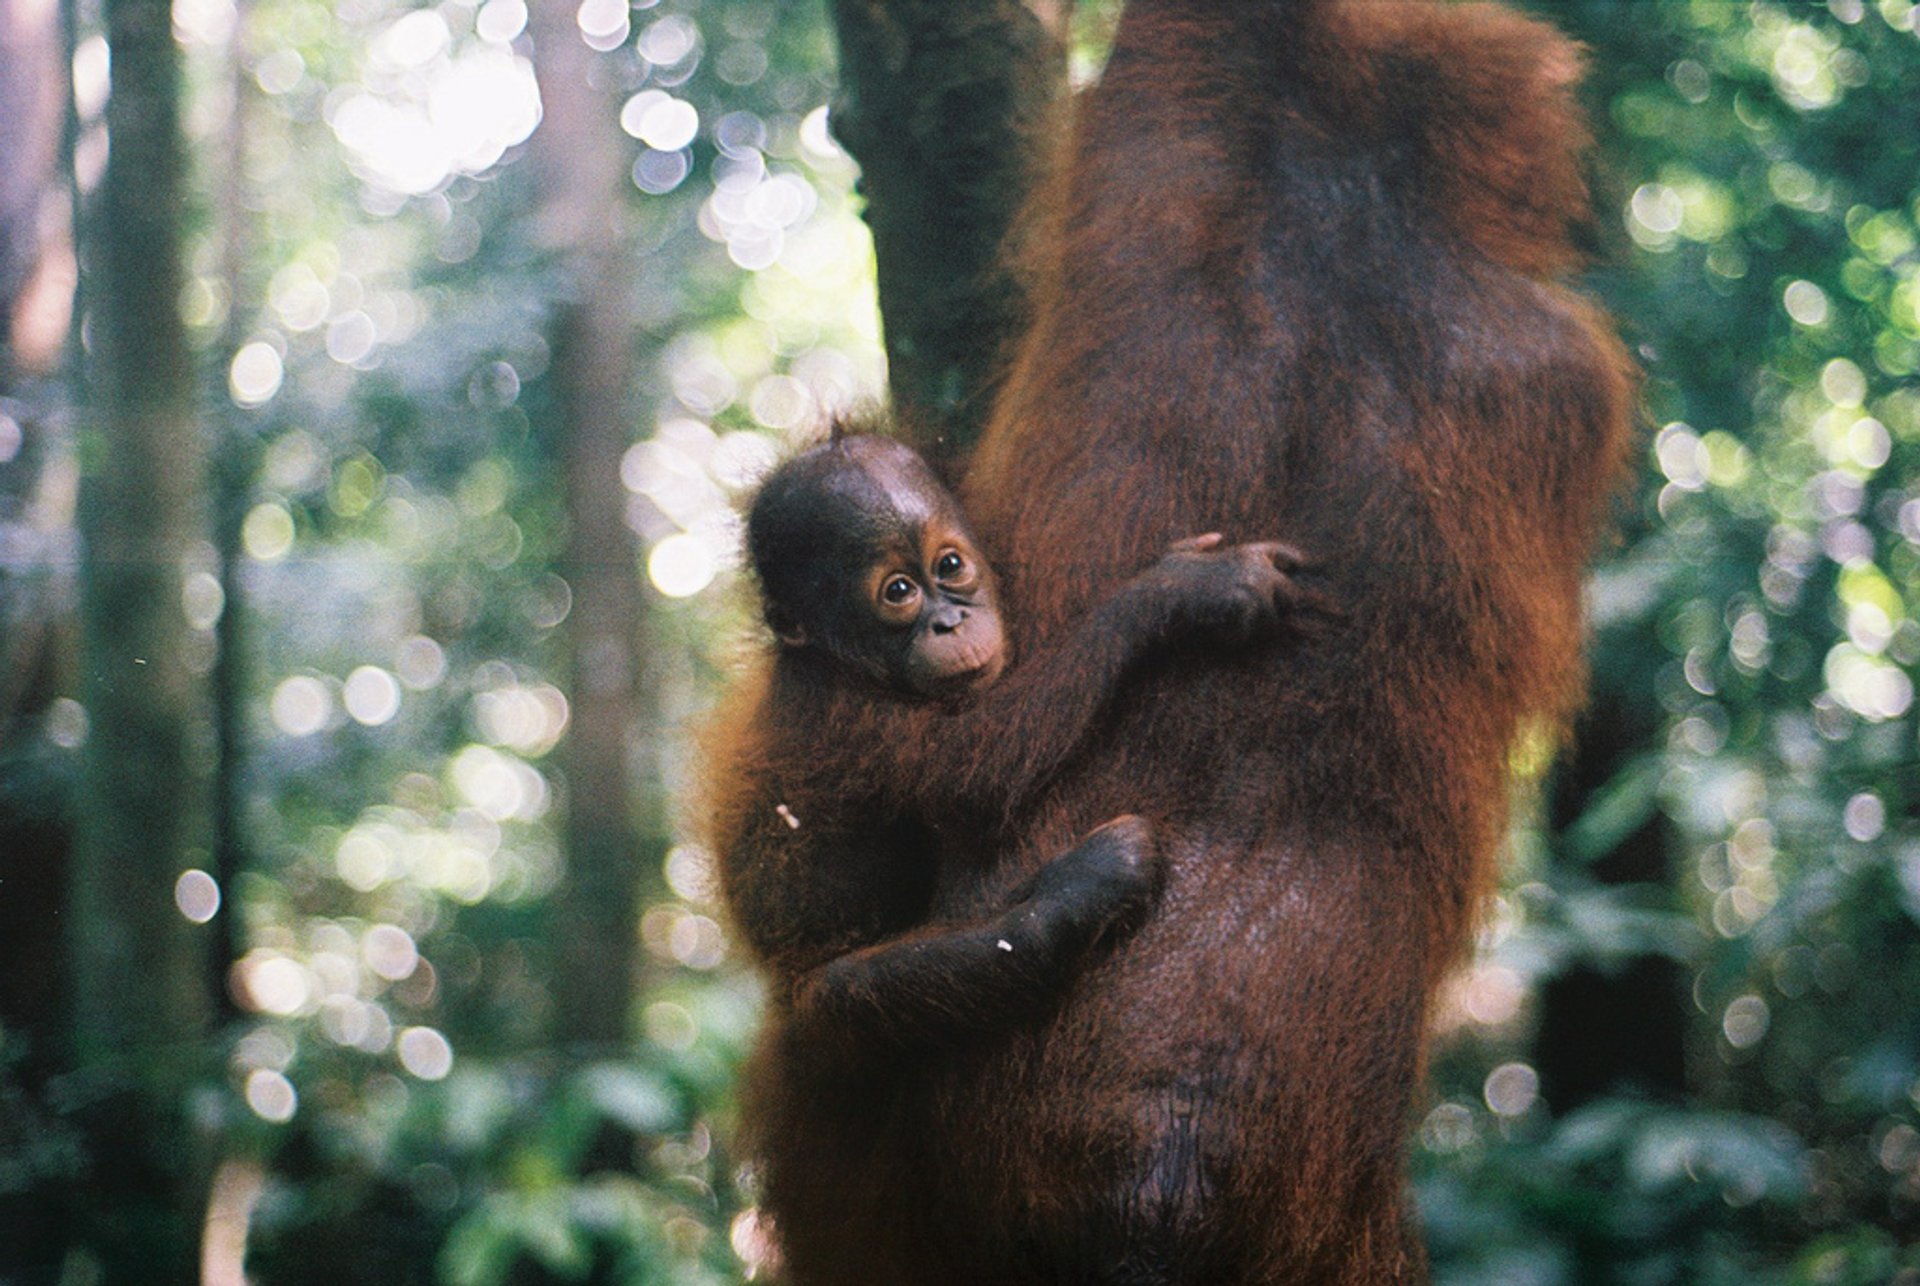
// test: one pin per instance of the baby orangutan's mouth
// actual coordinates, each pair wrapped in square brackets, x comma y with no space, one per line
[964,673]
[950,665]
[982,673]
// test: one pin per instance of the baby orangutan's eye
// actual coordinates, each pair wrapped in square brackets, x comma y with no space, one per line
[949,565]
[899,591]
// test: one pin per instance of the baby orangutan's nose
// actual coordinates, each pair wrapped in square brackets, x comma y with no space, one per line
[948,619]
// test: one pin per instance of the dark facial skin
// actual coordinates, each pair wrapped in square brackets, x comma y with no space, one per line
[865,559]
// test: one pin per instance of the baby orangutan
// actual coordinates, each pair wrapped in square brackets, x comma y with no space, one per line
[889,636]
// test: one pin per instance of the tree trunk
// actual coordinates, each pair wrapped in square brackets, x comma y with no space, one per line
[140,1009]
[944,106]
[1621,1027]
[582,167]
[235,463]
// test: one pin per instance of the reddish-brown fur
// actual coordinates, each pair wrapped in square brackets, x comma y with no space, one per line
[1296,278]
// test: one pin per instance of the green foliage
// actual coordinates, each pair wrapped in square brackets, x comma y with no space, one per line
[1756,634]
[372,297]
[1619,1189]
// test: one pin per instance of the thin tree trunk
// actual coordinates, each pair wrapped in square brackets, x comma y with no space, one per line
[582,166]
[235,461]
[1618,1026]
[944,106]
[140,1009]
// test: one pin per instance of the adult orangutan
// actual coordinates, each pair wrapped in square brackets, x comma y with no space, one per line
[1297,276]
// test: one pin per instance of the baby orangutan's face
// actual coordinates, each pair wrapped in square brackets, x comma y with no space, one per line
[913,603]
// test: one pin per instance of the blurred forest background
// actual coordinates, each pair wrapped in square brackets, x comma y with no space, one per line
[371,417]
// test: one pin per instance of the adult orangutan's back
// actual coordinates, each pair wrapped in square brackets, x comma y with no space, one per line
[1298,285]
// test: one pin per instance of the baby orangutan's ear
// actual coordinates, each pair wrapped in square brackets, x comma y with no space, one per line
[785,628]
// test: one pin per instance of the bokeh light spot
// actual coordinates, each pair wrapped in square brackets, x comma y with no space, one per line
[267,532]
[301,705]
[390,952]
[351,337]
[1745,1021]
[1511,1089]
[1493,995]
[456,115]
[528,719]
[668,125]
[364,860]
[280,71]
[1658,208]
[91,67]
[1806,303]
[499,785]
[658,173]
[202,599]
[197,894]
[669,41]
[371,695]
[1865,816]
[681,566]
[255,375]
[689,872]
[204,22]
[425,1053]
[271,1096]
[604,24]
[270,983]
[501,20]
[298,297]
[420,662]
[1844,383]
[414,40]
[697,942]
[670,1026]
[635,109]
